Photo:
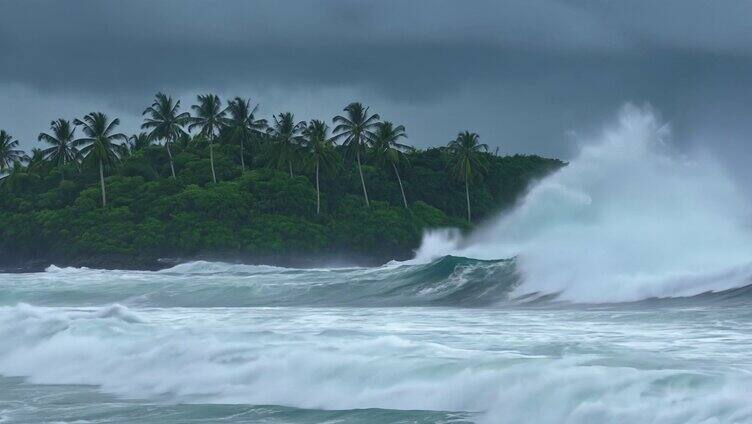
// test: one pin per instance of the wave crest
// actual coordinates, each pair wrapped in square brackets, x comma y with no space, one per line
[446,281]
[627,219]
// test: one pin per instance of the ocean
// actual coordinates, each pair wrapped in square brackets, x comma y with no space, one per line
[441,342]
[618,290]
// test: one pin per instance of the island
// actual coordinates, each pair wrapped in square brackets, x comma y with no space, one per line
[217,182]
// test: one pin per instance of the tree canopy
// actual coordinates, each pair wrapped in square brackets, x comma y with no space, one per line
[122,207]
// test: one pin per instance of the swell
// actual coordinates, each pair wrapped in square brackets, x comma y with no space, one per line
[447,281]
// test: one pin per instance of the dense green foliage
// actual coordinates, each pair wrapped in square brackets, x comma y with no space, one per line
[51,210]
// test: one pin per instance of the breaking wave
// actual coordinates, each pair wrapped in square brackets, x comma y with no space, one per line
[445,281]
[628,219]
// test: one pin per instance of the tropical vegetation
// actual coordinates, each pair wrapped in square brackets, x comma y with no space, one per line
[100,145]
[63,150]
[9,154]
[466,161]
[222,183]
[354,130]
[166,123]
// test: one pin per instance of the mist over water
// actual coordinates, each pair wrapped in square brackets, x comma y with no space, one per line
[629,218]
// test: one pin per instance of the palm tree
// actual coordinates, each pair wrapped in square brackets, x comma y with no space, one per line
[388,150]
[320,151]
[8,152]
[165,122]
[139,141]
[209,118]
[184,141]
[100,144]
[242,124]
[62,151]
[19,178]
[466,160]
[286,140]
[355,130]
[37,161]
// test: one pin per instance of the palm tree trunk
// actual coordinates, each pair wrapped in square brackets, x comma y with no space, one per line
[318,190]
[169,154]
[242,161]
[211,161]
[404,199]
[467,196]
[362,181]
[291,176]
[101,182]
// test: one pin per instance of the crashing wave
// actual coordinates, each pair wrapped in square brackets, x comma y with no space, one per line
[628,219]
[444,281]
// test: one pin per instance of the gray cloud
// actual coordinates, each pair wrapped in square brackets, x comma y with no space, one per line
[523,74]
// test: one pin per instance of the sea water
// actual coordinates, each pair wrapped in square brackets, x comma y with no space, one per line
[90,346]
[617,291]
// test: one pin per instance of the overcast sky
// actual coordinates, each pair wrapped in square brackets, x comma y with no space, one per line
[527,75]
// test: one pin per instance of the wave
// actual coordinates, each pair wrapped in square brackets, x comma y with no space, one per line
[446,281]
[209,268]
[628,219]
[282,357]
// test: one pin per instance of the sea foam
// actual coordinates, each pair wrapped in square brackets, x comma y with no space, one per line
[629,218]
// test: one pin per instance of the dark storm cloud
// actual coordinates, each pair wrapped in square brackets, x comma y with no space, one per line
[427,46]
[521,73]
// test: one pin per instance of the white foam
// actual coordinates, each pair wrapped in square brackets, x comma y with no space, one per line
[627,219]
[208,267]
[194,356]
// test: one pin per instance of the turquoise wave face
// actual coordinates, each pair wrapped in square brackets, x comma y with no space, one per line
[448,281]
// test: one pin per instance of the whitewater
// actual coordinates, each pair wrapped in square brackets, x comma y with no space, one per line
[617,290]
